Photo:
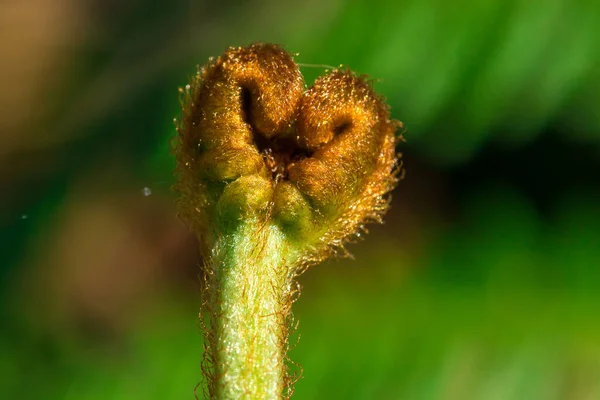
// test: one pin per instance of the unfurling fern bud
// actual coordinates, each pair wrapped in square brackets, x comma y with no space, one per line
[272,178]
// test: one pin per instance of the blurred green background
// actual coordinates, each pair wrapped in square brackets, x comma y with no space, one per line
[482,284]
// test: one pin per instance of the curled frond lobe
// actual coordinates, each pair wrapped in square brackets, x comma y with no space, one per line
[253,143]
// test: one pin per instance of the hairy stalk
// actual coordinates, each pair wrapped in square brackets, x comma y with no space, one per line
[251,298]
[273,177]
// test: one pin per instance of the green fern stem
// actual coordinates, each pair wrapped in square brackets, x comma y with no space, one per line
[251,293]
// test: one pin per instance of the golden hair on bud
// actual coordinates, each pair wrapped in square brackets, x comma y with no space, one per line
[273,178]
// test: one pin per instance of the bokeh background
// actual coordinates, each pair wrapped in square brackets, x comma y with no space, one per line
[482,284]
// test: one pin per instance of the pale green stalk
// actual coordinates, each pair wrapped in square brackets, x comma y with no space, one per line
[252,299]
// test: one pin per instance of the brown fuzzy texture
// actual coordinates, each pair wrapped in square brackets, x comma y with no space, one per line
[252,143]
